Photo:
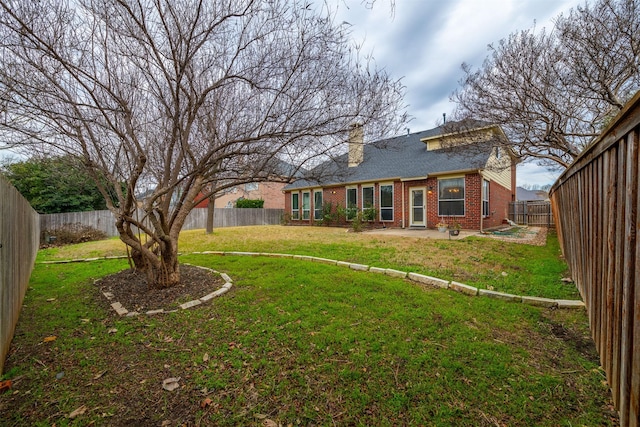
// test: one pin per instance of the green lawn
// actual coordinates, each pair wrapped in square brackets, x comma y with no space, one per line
[484,263]
[301,343]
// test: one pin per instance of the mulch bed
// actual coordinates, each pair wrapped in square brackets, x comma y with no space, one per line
[130,288]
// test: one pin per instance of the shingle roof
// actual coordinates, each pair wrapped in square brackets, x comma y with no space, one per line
[523,194]
[400,157]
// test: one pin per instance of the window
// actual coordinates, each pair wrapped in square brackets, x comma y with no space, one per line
[451,197]
[352,202]
[386,202]
[306,205]
[367,197]
[368,204]
[485,197]
[251,186]
[295,206]
[317,204]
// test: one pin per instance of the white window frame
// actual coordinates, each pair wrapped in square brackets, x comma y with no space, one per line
[353,205]
[373,195]
[317,209]
[306,211]
[462,199]
[485,197]
[295,213]
[386,208]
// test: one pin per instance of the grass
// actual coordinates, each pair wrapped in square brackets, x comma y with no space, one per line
[300,343]
[485,263]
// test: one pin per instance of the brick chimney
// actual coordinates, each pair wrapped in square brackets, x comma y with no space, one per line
[356,145]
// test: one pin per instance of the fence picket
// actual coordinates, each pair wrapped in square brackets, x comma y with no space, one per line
[597,212]
[197,219]
[19,231]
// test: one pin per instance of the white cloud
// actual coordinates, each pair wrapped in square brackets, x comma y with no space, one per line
[426,41]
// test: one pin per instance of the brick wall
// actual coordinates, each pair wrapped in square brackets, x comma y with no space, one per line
[499,198]
[270,192]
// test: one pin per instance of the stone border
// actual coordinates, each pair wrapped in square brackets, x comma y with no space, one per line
[418,278]
[122,311]
[414,277]
[223,290]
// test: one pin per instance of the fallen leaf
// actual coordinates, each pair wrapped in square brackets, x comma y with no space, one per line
[81,410]
[50,299]
[99,375]
[269,423]
[85,320]
[170,384]
[112,331]
[206,402]
[5,385]
[260,416]
[59,375]
[205,358]
[49,339]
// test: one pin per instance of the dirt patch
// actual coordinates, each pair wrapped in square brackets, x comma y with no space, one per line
[536,236]
[130,288]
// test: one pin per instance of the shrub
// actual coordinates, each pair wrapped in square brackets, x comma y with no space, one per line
[250,203]
[285,219]
[69,234]
[369,214]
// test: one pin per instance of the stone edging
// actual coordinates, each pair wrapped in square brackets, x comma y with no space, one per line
[414,277]
[418,278]
[223,290]
[124,312]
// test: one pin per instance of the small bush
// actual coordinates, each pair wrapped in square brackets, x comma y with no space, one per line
[250,203]
[69,234]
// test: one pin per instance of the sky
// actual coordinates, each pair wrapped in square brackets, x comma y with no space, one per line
[425,42]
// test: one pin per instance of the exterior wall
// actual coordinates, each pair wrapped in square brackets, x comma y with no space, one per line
[270,192]
[501,170]
[499,198]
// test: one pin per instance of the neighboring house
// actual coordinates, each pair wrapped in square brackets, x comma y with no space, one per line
[413,182]
[270,192]
[522,194]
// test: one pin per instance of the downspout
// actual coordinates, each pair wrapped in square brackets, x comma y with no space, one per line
[481,198]
[403,222]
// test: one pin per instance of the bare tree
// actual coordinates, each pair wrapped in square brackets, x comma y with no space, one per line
[553,92]
[183,96]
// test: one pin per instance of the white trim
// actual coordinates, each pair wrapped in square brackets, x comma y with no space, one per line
[464,196]
[373,194]
[380,207]
[315,208]
[297,211]
[308,193]
[346,197]
[412,220]
[482,215]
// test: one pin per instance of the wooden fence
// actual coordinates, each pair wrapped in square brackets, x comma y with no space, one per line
[19,241]
[224,217]
[597,211]
[537,213]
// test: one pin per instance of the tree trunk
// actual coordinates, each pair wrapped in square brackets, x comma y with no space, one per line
[210,211]
[160,265]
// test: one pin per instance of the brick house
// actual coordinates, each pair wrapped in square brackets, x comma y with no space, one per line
[270,192]
[415,180]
